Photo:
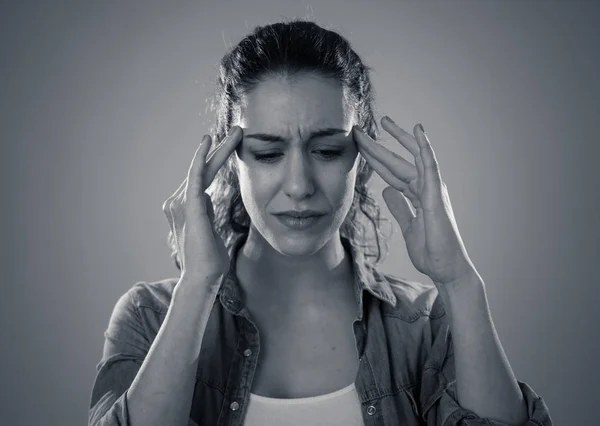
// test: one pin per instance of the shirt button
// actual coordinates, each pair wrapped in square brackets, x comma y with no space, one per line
[371,410]
[247,352]
[232,304]
[234,406]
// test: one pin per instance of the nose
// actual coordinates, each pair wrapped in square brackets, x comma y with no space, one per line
[298,181]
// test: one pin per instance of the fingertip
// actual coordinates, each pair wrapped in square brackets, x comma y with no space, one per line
[357,130]
[235,131]
[205,141]
[206,145]
[419,135]
[387,120]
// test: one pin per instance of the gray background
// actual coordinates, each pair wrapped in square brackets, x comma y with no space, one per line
[103,105]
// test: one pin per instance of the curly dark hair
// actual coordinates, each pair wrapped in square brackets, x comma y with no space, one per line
[289,49]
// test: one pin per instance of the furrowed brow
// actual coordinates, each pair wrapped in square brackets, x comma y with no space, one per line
[267,137]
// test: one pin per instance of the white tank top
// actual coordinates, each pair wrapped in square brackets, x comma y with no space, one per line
[338,408]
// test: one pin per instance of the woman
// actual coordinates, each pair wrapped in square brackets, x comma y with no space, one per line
[278,317]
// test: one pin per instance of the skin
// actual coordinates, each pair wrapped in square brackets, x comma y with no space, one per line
[485,383]
[302,278]
[299,176]
[299,261]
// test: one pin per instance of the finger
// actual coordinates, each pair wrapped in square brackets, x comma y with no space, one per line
[210,211]
[173,228]
[165,206]
[168,205]
[420,170]
[220,154]
[406,139]
[195,181]
[410,193]
[181,189]
[403,170]
[399,207]
[391,179]
[416,203]
[169,215]
[430,163]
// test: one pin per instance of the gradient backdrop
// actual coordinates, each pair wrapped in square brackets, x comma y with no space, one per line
[103,105]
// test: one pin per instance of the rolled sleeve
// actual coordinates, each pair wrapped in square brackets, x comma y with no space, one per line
[440,405]
[449,413]
[125,347]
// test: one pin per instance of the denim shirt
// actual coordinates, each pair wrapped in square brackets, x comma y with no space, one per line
[405,377]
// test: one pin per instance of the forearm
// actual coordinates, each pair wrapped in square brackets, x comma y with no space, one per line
[485,383]
[161,393]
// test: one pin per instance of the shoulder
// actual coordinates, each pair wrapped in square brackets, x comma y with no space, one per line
[414,299]
[155,295]
[139,312]
[417,323]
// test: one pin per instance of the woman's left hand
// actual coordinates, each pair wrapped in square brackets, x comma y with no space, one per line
[432,239]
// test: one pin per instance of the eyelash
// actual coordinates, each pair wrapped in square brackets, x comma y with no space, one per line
[330,155]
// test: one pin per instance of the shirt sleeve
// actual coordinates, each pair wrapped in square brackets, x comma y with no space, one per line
[125,347]
[438,392]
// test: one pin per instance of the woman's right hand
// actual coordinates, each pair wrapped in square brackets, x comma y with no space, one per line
[190,213]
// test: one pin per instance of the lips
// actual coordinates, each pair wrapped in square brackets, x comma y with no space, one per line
[300,217]
[300,213]
[299,223]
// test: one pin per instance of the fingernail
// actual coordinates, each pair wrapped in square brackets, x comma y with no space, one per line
[422,129]
[389,119]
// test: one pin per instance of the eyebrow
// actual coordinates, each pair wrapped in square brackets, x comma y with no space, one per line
[267,137]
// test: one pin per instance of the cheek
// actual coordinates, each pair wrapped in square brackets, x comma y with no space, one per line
[349,183]
[256,184]
[339,185]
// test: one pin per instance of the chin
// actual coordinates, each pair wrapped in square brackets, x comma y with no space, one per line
[298,243]
[299,247]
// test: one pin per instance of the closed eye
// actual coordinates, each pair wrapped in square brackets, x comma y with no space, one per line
[270,158]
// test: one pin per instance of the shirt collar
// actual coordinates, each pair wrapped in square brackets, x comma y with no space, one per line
[366,277]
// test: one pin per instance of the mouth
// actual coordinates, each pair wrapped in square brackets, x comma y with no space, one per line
[295,222]
[300,216]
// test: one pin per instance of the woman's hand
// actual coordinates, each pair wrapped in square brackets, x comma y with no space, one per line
[190,213]
[432,239]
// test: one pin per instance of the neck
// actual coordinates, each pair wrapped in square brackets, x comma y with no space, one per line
[260,261]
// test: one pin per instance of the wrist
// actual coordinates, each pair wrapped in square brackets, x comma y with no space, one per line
[467,281]
[197,286]
[467,289]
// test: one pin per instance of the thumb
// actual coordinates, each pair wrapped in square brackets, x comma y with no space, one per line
[399,207]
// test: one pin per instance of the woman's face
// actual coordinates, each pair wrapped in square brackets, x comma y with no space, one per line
[297,154]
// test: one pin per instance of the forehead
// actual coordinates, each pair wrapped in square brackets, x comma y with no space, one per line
[293,106]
